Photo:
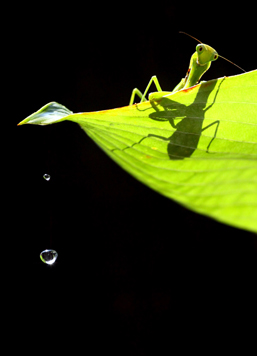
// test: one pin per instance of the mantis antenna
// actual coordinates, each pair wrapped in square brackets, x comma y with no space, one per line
[232,63]
[190,36]
[219,55]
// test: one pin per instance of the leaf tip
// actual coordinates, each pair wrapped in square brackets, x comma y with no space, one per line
[24,121]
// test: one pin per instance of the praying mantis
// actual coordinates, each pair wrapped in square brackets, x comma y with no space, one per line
[200,62]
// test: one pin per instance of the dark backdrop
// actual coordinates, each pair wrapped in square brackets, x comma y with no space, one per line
[137,274]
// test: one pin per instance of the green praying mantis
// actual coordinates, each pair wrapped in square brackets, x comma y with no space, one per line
[200,62]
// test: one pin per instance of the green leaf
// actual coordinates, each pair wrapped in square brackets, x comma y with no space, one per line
[197,146]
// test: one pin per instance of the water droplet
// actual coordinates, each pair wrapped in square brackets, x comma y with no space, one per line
[47,176]
[49,256]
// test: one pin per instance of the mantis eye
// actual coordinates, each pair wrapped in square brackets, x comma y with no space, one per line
[199,48]
[215,56]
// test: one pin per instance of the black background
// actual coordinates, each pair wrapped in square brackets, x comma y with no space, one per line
[137,274]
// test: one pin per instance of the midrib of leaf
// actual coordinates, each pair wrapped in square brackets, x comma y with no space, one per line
[123,133]
[141,151]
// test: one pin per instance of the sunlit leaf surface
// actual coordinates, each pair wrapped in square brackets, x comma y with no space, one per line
[197,146]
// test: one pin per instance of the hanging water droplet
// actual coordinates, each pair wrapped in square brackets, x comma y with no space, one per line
[49,256]
[47,176]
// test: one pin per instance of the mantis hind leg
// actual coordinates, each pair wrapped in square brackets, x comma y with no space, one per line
[142,96]
[135,92]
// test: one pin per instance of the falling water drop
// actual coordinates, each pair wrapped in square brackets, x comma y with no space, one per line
[47,177]
[49,256]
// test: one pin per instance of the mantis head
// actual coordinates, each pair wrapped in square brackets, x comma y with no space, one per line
[206,54]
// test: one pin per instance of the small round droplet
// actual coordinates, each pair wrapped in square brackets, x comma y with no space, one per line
[47,177]
[49,256]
